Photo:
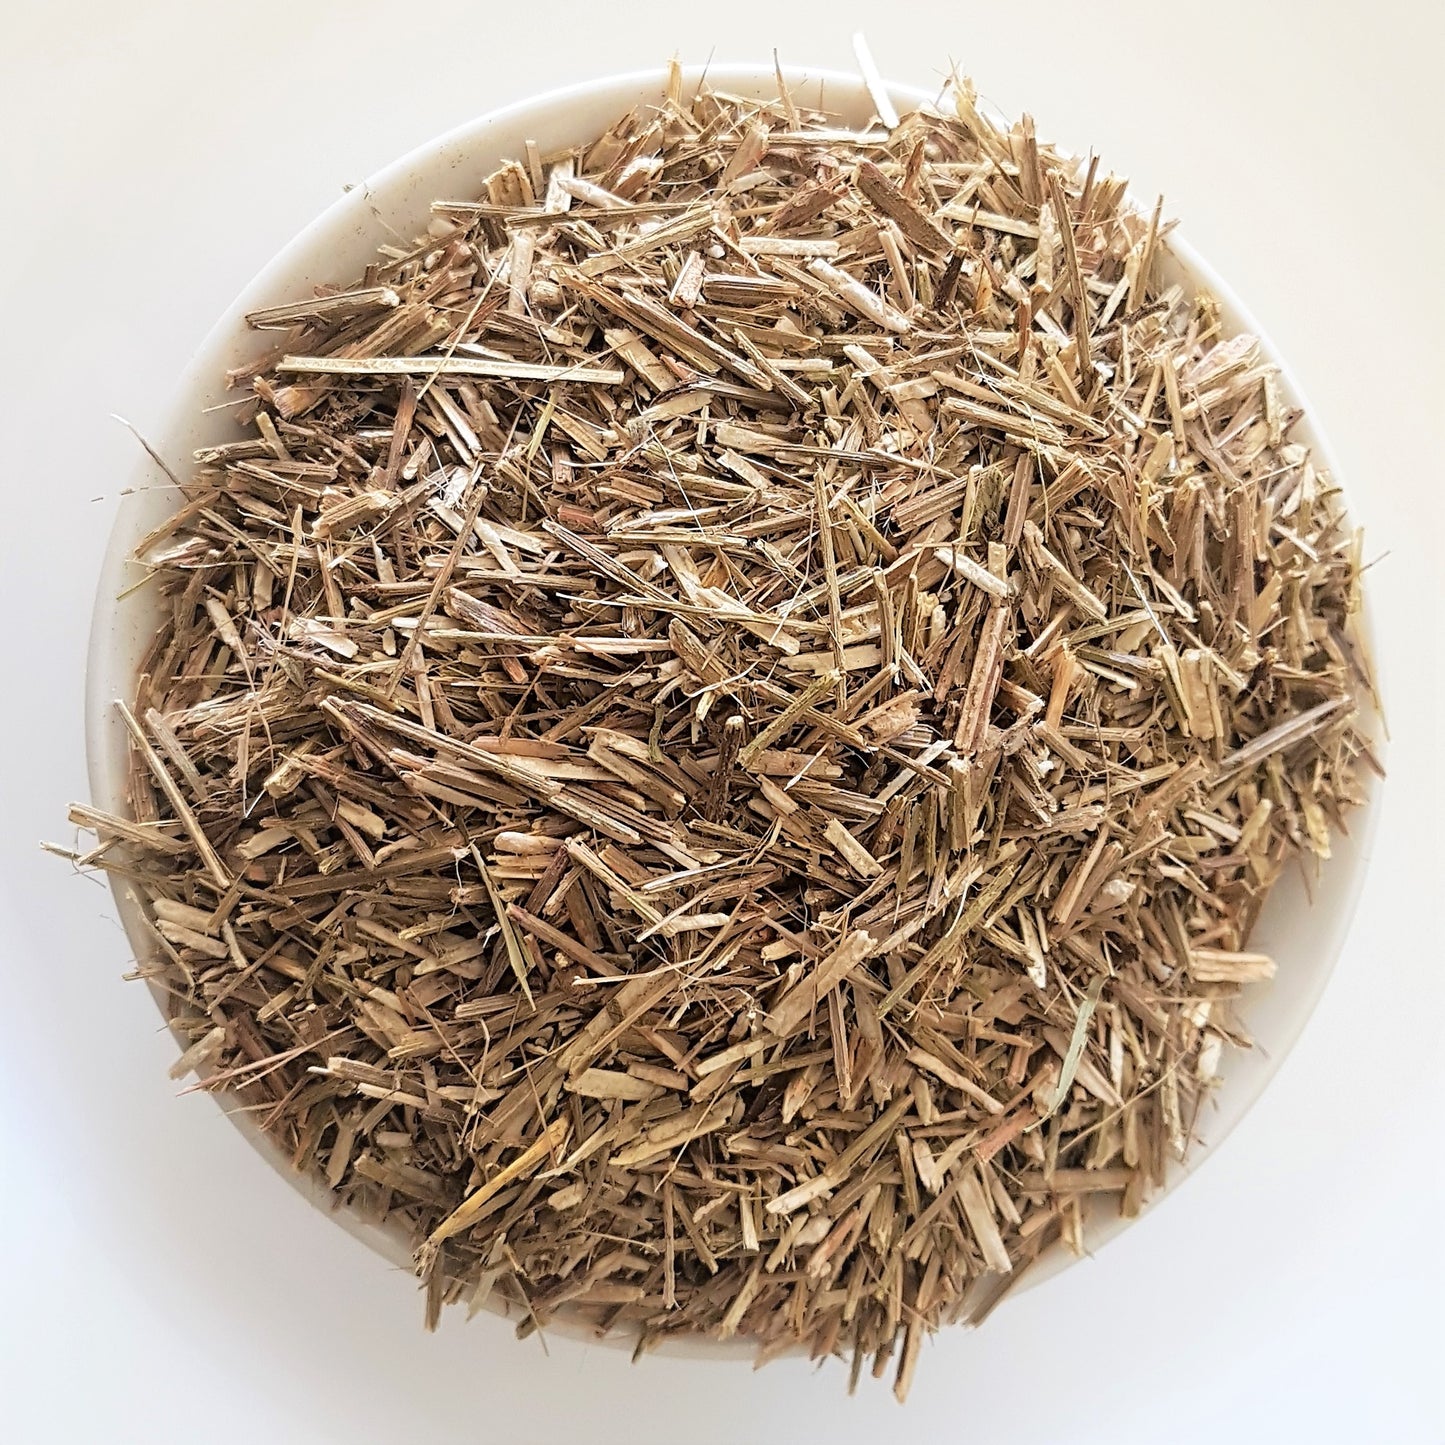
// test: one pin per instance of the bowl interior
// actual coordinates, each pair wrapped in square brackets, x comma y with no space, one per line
[1304,933]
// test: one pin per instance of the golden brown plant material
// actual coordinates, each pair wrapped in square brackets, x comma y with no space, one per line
[715,749]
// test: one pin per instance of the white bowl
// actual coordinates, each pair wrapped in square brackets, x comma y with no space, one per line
[1305,935]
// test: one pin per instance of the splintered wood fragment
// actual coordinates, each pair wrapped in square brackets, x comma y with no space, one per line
[357,511]
[857,297]
[979,1214]
[877,90]
[715,737]
[200,1053]
[824,246]
[609,1084]
[670,329]
[787,716]
[448,366]
[853,853]
[1076,279]
[338,305]
[1076,1181]
[955,1080]
[677,1130]
[919,228]
[439,585]
[146,836]
[1283,735]
[1004,1133]
[175,750]
[791,1011]
[983,682]
[633,350]
[516,958]
[1218,965]
[204,851]
[559,939]
[1076,591]
[868,1142]
[971,571]
[552,1138]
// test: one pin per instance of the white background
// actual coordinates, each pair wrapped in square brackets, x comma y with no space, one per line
[157,1282]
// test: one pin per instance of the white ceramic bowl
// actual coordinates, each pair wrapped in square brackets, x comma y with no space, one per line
[1304,935]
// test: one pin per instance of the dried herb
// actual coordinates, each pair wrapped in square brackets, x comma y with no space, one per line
[715,749]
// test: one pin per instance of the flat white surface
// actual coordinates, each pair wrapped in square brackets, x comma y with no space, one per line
[159,1282]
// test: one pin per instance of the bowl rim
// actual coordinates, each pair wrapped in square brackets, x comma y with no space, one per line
[636,87]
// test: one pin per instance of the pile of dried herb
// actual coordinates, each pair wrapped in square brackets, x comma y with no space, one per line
[715,749]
